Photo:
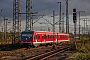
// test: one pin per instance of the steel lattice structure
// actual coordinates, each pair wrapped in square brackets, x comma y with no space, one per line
[16,21]
[29,17]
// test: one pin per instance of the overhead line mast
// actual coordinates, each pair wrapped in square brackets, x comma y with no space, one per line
[67,18]
[16,21]
[29,16]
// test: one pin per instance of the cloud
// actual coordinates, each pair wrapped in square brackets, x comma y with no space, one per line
[80,5]
[45,6]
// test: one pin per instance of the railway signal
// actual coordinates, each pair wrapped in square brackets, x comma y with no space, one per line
[74,16]
[74,21]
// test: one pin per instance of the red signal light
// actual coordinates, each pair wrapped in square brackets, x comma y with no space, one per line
[74,14]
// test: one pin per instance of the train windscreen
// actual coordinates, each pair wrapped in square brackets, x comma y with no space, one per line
[26,36]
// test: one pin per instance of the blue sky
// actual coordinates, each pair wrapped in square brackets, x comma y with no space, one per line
[45,7]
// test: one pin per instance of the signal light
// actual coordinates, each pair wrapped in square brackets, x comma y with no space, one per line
[74,16]
[74,10]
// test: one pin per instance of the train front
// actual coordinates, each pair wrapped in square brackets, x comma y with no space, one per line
[26,38]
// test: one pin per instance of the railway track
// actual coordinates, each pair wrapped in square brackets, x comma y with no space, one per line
[49,54]
[2,53]
[42,51]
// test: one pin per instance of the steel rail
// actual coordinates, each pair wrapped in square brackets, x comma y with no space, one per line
[48,54]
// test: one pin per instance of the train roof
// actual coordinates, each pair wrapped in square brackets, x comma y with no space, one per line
[28,31]
[42,31]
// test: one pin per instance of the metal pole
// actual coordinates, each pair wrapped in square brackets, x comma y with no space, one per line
[53,24]
[79,25]
[60,18]
[75,30]
[84,19]
[31,16]
[75,35]
[2,33]
[63,23]
[82,30]
[79,22]
[6,32]
[16,21]
[53,21]
[67,20]
[89,29]
[86,26]
[4,28]
[19,19]
[28,21]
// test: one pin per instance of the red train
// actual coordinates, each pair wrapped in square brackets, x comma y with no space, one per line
[35,38]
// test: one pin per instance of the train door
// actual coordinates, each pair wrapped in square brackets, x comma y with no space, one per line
[39,38]
[43,38]
[34,37]
[57,38]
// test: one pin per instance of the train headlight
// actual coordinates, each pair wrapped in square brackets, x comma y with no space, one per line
[26,38]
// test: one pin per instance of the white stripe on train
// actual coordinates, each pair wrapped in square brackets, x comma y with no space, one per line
[45,41]
[50,41]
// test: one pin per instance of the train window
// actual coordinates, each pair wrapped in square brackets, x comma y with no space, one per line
[65,36]
[48,36]
[43,37]
[61,36]
[35,36]
[51,36]
[28,34]
[55,36]
[38,36]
